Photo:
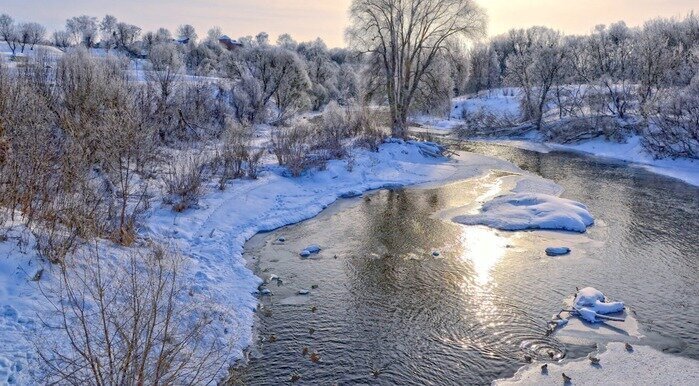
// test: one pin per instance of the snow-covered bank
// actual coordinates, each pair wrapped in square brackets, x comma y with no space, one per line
[617,366]
[631,151]
[504,104]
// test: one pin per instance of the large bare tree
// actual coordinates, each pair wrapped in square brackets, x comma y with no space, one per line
[406,37]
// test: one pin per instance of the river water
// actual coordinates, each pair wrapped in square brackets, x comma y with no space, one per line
[384,308]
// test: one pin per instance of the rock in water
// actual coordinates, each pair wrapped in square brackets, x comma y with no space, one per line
[557,251]
[313,248]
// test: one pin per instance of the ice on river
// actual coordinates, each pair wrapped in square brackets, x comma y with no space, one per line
[521,211]
[617,366]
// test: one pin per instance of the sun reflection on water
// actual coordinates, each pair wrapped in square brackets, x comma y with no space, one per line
[484,248]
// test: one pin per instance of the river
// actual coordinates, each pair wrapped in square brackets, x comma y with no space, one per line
[401,295]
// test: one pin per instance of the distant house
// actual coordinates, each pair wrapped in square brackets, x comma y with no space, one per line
[229,44]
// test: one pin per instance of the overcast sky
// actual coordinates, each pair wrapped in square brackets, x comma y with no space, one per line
[308,19]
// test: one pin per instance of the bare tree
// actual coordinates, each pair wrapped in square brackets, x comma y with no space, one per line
[125,35]
[164,71]
[407,36]
[8,32]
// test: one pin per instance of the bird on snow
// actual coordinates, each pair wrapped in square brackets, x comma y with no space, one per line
[566,379]
[629,347]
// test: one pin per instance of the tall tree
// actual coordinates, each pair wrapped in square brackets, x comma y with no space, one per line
[407,36]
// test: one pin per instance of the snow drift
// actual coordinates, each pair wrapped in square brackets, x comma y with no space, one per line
[521,211]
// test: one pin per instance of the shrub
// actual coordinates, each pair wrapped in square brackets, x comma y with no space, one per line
[128,321]
[184,182]
[292,146]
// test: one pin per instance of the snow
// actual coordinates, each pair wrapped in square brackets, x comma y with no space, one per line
[521,211]
[590,304]
[617,366]
[633,151]
[502,102]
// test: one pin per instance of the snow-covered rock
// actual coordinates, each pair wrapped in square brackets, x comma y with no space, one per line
[590,303]
[531,211]
[557,251]
[313,248]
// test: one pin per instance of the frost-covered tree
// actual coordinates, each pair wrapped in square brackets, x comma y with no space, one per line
[61,39]
[287,42]
[83,30]
[165,67]
[31,34]
[407,37]
[322,72]
[265,74]
[108,27]
[187,32]
[125,35]
[483,69]
[535,65]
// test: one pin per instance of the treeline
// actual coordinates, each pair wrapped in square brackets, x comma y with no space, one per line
[642,80]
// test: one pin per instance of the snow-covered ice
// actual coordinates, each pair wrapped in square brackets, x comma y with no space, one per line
[520,211]
[617,366]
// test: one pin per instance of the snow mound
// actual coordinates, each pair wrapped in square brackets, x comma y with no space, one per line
[531,211]
[617,366]
[590,304]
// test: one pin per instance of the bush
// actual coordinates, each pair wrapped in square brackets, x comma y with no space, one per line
[184,182]
[292,146]
[674,130]
[126,321]
[237,156]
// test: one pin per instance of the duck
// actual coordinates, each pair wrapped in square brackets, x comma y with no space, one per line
[593,359]
[629,347]
[544,368]
[566,379]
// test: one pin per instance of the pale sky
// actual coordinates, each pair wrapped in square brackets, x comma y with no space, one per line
[308,19]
